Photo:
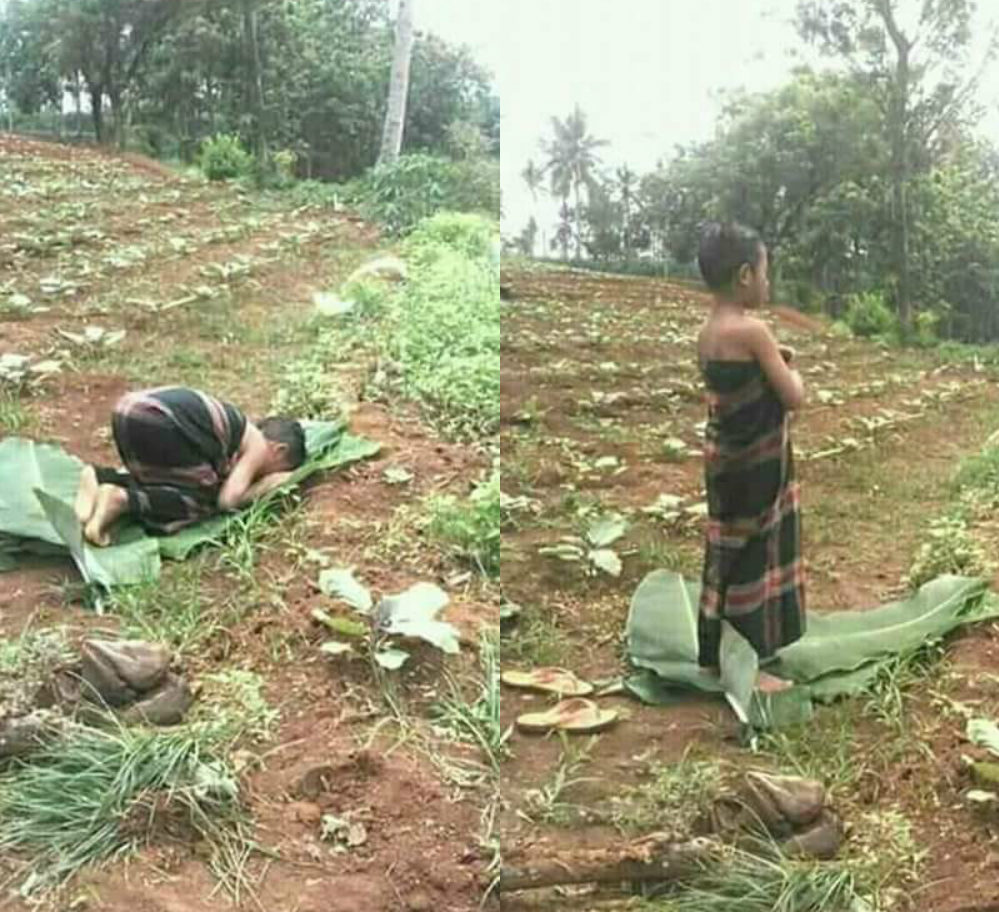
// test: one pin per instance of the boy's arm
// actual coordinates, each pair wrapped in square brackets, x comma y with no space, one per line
[249,460]
[264,486]
[785,382]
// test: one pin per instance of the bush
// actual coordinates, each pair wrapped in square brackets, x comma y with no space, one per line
[222,158]
[868,315]
[401,194]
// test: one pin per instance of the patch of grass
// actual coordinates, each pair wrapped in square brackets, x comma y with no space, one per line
[13,417]
[537,639]
[950,548]
[478,722]
[896,676]
[27,662]
[440,336]
[175,609]
[237,695]
[824,748]
[979,472]
[471,528]
[98,795]
[674,798]
[765,881]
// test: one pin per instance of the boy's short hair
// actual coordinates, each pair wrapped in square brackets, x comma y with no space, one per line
[290,433]
[725,248]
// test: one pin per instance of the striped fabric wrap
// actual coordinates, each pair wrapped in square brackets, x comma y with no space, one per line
[754,576]
[177,445]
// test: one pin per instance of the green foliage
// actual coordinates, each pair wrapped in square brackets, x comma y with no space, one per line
[673,799]
[223,157]
[237,696]
[96,795]
[441,331]
[401,194]
[309,388]
[868,315]
[471,527]
[950,548]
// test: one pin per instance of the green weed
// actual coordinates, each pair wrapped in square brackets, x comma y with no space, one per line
[471,528]
[545,803]
[98,795]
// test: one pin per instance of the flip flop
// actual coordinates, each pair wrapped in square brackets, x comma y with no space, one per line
[574,716]
[548,680]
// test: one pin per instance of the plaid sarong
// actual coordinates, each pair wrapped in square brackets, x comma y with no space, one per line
[753,572]
[178,446]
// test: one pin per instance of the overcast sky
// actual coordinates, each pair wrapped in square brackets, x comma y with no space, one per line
[649,74]
[471,22]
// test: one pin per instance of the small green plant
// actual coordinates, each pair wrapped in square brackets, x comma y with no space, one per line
[223,157]
[867,314]
[950,548]
[13,418]
[26,663]
[410,614]
[471,528]
[593,550]
[546,803]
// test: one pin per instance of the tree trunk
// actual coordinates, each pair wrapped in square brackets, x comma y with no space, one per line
[651,859]
[579,223]
[118,115]
[898,119]
[395,115]
[97,113]
[257,86]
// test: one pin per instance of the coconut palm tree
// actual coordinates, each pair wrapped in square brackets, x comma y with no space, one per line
[625,180]
[534,177]
[572,162]
[395,115]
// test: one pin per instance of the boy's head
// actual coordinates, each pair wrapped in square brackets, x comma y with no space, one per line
[287,442]
[733,261]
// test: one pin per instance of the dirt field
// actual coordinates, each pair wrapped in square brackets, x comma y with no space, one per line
[101,241]
[599,378]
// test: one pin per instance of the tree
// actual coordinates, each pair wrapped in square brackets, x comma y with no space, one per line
[625,184]
[249,9]
[395,116]
[914,52]
[528,238]
[572,163]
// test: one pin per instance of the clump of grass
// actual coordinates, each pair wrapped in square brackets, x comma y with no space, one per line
[13,418]
[767,881]
[824,748]
[673,799]
[478,722]
[238,696]
[27,662]
[979,472]
[174,609]
[471,528]
[309,389]
[97,795]
[536,639]
[950,548]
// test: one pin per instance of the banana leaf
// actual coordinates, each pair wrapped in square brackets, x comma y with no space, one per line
[840,655]
[38,484]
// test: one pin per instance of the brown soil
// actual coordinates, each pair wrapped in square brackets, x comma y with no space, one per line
[601,366]
[422,847]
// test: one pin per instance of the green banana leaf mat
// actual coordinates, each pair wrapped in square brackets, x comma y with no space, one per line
[38,485]
[841,653]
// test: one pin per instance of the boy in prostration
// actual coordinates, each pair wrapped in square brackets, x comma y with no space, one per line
[187,456]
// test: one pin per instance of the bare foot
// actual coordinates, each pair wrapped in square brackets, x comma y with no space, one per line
[86,495]
[111,503]
[768,684]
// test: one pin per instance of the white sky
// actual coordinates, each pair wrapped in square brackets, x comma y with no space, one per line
[471,22]
[647,73]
